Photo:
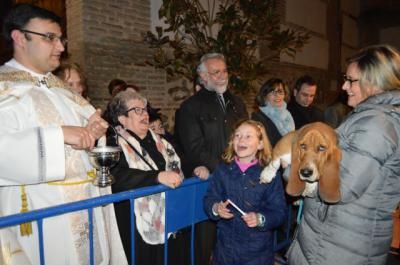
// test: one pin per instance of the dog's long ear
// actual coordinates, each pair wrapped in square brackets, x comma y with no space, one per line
[329,182]
[295,186]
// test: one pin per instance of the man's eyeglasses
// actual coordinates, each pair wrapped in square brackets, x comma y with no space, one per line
[347,79]
[49,36]
[218,73]
[277,92]
[137,110]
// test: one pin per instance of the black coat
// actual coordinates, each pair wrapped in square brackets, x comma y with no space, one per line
[204,127]
[304,115]
[270,128]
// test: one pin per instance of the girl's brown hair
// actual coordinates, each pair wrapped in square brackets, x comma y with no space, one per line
[263,155]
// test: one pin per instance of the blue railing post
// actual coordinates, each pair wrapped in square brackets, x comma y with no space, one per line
[41,243]
[90,217]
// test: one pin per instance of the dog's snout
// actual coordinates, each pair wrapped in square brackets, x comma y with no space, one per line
[306,172]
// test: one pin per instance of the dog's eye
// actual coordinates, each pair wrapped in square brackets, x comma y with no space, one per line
[303,146]
[321,148]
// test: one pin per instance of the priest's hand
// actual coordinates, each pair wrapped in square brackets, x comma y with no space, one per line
[78,137]
[97,126]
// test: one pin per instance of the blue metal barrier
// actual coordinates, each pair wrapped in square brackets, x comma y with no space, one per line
[184,207]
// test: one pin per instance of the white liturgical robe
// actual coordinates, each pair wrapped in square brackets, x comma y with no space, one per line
[36,163]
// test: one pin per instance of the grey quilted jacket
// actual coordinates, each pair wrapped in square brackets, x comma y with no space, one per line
[358,229]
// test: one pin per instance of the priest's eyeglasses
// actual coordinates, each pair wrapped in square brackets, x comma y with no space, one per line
[137,110]
[348,79]
[49,36]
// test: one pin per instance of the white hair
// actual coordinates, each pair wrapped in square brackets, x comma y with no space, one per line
[202,66]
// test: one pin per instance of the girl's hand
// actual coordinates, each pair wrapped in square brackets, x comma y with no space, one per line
[202,172]
[250,219]
[222,211]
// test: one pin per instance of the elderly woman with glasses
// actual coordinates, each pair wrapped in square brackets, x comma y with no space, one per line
[146,160]
[358,229]
[272,112]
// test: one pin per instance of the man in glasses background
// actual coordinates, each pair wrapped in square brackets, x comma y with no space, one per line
[301,105]
[204,124]
[44,135]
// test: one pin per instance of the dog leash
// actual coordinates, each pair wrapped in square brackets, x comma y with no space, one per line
[300,211]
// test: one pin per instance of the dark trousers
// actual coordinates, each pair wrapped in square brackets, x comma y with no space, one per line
[178,250]
[205,238]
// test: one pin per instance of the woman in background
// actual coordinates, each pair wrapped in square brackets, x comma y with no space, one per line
[146,160]
[73,75]
[272,112]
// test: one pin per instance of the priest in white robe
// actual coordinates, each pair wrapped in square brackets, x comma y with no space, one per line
[45,133]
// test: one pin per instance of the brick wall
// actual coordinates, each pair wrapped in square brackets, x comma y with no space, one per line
[106,40]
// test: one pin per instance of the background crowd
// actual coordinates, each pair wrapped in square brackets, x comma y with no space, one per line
[49,125]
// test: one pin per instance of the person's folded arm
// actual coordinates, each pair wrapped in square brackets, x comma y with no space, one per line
[130,178]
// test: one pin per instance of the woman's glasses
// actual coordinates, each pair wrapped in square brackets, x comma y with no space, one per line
[348,79]
[137,110]
[277,92]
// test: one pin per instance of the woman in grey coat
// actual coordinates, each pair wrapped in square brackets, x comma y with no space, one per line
[358,229]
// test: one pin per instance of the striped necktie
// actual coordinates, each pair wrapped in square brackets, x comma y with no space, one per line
[221,101]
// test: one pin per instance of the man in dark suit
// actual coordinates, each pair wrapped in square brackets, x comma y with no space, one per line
[205,123]
[300,106]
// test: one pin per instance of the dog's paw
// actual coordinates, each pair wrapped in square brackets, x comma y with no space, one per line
[268,174]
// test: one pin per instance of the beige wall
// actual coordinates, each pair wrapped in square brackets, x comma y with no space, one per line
[350,30]
[312,15]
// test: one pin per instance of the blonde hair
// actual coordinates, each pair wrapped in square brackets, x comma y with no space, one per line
[379,67]
[263,155]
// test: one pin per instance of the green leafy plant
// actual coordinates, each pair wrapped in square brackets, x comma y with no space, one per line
[247,32]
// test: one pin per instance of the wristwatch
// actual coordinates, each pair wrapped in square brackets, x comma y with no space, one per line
[260,220]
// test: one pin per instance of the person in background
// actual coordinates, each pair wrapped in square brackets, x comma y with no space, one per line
[132,88]
[301,105]
[155,120]
[146,160]
[272,112]
[115,86]
[73,75]
[335,113]
[358,229]
[245,238]
[205,121]
[157,126]
[45,134]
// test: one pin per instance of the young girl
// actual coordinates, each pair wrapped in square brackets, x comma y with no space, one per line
[245,238]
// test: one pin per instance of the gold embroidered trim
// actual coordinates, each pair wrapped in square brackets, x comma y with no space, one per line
[15,77]
[91,176]
[7,253]
[25,228]
[22,76]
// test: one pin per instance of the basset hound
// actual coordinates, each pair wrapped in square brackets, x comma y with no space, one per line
[314,156]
